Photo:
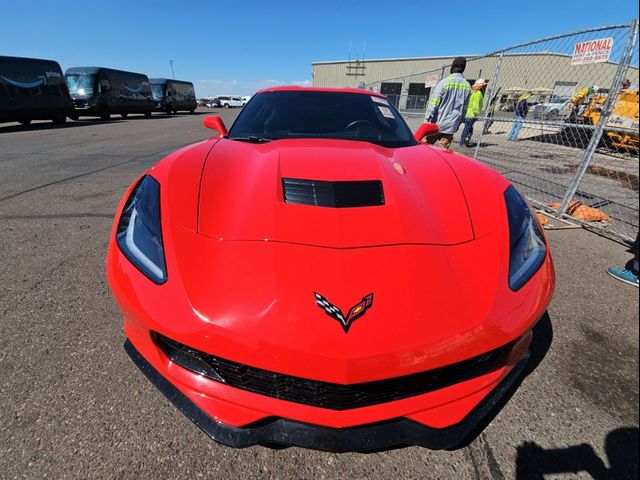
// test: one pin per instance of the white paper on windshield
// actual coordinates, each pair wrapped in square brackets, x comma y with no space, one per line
[386,112]
[380,100]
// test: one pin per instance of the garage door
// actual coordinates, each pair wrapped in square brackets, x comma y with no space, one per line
[564,89]
[392,90]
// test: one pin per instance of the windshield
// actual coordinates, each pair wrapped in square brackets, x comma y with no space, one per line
[81,84]
[312,114]
[157,91]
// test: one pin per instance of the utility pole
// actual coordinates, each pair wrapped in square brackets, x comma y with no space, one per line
[172,72]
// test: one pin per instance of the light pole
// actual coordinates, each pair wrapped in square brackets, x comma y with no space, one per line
[172,72]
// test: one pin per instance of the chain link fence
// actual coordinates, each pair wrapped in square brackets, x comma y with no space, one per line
[559,120]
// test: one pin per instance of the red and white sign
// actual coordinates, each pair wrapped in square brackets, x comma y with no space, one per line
[593,51]
[431,80]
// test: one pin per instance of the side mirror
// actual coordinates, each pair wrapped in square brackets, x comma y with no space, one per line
[425,130]
[214,122]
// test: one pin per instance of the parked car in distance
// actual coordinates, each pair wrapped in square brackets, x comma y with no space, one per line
[172,96]
[554,109]
[99,92]
[245,99]
[33,89]
[230,102]
[214,103]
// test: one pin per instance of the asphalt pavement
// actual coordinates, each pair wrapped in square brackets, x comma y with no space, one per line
[73,405]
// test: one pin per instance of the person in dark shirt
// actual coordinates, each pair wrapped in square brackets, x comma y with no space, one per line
[522,108]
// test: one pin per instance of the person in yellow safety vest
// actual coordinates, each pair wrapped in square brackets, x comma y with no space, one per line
[476,100]
[448,104]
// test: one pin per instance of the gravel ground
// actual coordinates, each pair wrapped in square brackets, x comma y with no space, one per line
[72,404]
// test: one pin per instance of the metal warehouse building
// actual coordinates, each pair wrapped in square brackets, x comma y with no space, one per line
[406,80]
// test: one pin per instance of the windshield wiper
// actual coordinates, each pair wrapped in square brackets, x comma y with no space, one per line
[252,139]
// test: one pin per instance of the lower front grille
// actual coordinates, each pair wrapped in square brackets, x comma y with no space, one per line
[323,394]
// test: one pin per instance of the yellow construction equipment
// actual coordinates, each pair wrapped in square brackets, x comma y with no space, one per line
[622,131]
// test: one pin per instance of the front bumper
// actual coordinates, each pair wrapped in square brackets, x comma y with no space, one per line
[387,434]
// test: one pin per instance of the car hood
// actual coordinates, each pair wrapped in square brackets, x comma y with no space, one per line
[254,301]
[241,195]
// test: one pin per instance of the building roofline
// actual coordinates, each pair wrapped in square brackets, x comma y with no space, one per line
[437,57]
[443,57]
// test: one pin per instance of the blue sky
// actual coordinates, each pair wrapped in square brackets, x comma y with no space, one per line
[237,47]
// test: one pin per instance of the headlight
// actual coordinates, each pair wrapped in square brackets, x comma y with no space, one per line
[527,248]
[139,233]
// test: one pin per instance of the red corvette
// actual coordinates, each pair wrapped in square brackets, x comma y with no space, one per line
[316,276]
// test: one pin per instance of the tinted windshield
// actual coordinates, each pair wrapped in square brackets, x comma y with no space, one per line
[158,91]
[81,84]
[312,114]
[184,91]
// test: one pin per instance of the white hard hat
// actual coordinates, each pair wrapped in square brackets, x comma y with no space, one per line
[480,82]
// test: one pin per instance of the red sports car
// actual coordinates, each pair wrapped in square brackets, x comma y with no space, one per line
[316,276]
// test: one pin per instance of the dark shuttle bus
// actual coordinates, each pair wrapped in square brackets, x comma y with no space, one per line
[173,95]
[33,89]
[99,92]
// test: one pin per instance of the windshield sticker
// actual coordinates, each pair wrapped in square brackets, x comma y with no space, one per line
[386,112]
[380,100]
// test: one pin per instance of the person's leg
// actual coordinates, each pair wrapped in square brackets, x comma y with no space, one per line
[466,135]
[517,127]
[629,273]
[636,263]
[633,263]
[471,122]
[512,131]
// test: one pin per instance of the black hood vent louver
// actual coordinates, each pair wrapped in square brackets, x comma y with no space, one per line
[319,193]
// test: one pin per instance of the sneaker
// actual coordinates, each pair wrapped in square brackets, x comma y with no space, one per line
[624,275]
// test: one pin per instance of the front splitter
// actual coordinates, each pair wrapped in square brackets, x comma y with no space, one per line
[391,433]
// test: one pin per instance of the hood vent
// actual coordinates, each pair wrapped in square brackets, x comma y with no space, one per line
[365,193]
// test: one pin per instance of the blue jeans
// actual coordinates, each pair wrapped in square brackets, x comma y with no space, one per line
[515,130]
[467,132]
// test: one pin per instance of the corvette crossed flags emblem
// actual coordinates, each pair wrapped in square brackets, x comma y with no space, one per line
[334,312]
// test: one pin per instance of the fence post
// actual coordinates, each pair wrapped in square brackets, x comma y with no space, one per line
[621,71]
[494,82]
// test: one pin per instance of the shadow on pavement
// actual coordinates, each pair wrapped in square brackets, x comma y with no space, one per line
[621,446]
[470,150]
[34,127]
[567,136]
[88,122]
